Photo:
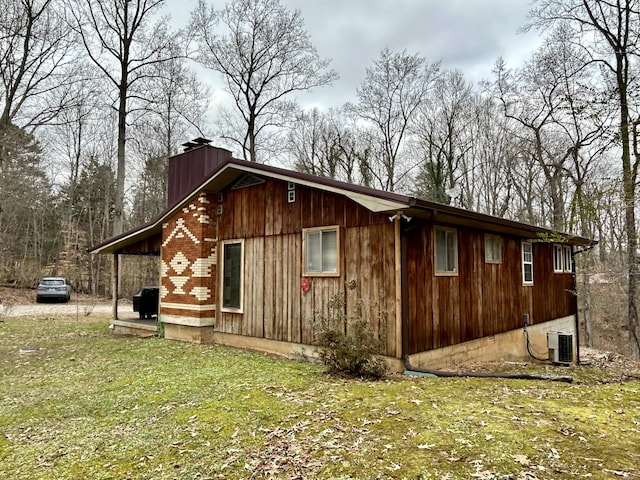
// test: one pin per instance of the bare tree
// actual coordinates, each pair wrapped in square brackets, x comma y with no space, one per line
[176,107]
[530,97]
[265,57]
[388,99]
[610,34]
[174,112]
[328,144]
[34,51]
[123,39]
[442,139]
[488,183]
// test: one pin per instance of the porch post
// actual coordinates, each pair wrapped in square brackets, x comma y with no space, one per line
[114,287]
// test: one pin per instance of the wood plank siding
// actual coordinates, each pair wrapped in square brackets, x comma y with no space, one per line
[275,307]
[483,299]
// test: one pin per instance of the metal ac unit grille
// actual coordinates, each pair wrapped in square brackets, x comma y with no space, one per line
[560,347]
[565,348]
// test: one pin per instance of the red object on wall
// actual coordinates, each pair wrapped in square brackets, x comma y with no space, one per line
[305,284]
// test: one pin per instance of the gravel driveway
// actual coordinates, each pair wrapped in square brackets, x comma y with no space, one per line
[81,308]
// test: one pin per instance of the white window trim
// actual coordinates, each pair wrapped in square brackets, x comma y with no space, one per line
[526,262]
[336,228]
[447,273]
[487,238]
[232,309]
[558,259]
[568,258]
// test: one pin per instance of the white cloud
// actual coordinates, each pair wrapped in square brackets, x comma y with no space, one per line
[465,34]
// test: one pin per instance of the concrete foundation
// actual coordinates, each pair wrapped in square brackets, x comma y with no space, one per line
[187,333]
[138,328]
[511,346]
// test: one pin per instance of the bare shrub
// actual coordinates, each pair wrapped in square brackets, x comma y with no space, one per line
[347,345]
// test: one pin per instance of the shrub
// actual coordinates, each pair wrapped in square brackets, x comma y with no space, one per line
[347,346]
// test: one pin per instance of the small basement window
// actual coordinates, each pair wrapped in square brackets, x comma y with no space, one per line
[527,263]
[492,249]
[320,247]
[232,275]
[446,251]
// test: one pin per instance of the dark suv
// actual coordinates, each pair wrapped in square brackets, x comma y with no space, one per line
[53,288]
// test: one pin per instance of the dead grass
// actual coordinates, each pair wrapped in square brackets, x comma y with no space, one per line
[80,403]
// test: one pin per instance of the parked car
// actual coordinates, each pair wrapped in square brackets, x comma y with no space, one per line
[145,302]
[53,288]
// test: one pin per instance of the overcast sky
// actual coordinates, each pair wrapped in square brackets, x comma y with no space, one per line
[465,34]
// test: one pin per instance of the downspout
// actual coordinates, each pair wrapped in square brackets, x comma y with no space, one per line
[400,343]
[398,274]
[405,292]
[577,307]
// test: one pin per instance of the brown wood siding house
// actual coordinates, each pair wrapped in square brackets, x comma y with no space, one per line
[249,252]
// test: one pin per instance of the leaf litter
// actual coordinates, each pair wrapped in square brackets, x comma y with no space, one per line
[131,408]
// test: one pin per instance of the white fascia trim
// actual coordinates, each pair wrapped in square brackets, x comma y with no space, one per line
[370,202]
[133,234]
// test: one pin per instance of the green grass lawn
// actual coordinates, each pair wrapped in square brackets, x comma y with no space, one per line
[77,402]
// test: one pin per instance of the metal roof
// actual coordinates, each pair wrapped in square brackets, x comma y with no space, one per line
[372,199]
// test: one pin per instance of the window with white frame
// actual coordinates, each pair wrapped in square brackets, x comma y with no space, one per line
[568,258]
[558,258]
[232,275]
[492,249]
[446,251]
[527,263]
[320,251]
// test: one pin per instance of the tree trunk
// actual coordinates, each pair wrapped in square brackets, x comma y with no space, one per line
[628,179]
[118,220]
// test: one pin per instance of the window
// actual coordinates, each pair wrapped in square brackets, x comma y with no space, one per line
[320,251]
[558,258]
[562,258]
[527,263]
[232,268]
[492,249]
[446,251]
[568,260]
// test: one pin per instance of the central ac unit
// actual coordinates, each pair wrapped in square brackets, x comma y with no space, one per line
[560,347]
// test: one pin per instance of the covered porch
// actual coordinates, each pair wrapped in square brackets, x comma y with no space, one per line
[139,242]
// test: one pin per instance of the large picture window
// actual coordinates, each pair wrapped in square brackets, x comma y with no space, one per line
[527,263]
[446,251]
[232,268]
[320,250]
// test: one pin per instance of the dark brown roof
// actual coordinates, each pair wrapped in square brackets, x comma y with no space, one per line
[375,200]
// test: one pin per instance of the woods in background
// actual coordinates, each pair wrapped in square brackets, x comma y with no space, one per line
[96,95]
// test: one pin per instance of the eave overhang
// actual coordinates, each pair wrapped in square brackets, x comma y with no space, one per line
[377,201]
